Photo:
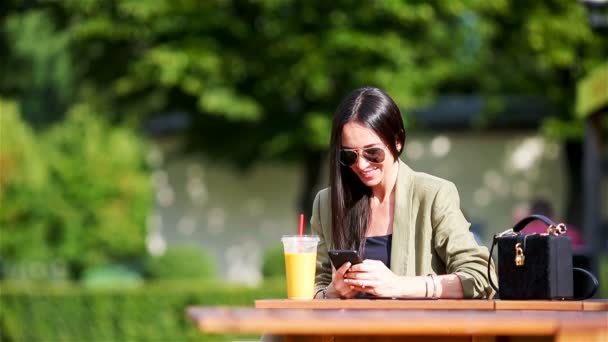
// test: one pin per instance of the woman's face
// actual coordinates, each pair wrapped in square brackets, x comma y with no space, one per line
[358,137]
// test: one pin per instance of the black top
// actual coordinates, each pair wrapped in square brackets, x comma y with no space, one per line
[379,248]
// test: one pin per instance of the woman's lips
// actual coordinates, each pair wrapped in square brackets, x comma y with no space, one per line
[368,174]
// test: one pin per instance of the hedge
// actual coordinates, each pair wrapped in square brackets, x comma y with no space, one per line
[153,312]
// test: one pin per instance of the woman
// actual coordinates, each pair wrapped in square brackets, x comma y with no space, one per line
[407,225]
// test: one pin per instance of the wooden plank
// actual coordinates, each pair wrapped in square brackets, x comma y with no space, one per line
[587,336]
[548,305]
[393,322]
[595,305]
[584,331]
[393,304]
[442,304]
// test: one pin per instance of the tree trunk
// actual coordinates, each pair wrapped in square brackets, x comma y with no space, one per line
[574,187]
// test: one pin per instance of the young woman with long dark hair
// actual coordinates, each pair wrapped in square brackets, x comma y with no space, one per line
[407,225]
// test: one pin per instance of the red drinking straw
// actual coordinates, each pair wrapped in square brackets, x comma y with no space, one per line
[301,225]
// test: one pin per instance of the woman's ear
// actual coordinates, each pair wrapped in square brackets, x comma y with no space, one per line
[398,145]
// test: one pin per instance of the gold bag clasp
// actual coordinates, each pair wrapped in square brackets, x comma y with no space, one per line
[557,230]
[519,255]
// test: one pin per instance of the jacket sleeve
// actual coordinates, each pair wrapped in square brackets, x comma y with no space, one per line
[323,272]
[456,246]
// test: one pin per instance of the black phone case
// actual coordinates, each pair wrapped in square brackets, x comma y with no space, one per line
[339,257]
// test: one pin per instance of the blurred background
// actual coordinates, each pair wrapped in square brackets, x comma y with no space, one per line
[153,152]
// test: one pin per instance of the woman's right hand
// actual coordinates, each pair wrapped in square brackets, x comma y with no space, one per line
[341,289]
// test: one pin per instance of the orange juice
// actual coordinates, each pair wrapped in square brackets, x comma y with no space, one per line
[300,269]
[300,264]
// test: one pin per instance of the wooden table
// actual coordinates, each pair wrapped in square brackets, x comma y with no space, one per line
[411,320]
[443,304]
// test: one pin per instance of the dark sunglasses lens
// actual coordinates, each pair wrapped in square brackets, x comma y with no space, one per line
[374,155]
[348,158]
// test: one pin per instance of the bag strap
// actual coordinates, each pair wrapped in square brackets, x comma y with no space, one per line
[494,241]
[589,275]
[519,226]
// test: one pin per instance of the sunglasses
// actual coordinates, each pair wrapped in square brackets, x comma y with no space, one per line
[374,155]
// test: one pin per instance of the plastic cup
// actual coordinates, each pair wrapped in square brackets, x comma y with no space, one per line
[300,265]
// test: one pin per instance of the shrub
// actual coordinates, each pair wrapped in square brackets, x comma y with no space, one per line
[111,276]
[181,262]
[75,195]
[273,262]
[153,312]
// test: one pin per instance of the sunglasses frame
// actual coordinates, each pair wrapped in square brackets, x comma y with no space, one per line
[361,153]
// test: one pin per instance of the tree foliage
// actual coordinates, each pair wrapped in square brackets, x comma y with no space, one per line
[76,195]
[273,262]
[542,48]
[260,78]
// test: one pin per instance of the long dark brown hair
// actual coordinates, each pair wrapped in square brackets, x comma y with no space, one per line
[350,198]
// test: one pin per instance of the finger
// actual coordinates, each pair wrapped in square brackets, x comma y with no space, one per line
[344,268]
[362,267]
[351,282]
[347,291]
[372,261]
[361,283]
[369,266]
[369,284]
[358,276]
[355,277]
[350,294]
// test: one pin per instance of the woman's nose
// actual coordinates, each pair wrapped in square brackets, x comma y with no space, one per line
[361,163]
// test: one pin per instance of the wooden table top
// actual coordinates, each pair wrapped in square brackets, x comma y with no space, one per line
[395,322]
[443,304]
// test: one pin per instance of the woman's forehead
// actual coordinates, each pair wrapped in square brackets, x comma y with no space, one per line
[356,135]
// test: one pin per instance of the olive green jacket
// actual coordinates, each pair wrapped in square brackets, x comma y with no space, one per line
[430,234]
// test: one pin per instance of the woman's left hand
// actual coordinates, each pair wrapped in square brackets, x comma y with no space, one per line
[373,277]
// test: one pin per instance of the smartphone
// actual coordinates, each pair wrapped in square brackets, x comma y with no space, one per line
[339,256]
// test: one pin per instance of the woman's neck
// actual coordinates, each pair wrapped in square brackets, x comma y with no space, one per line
[383,191]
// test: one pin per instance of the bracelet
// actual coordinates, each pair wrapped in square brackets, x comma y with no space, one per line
[434,296]
[426,288]
[324,290]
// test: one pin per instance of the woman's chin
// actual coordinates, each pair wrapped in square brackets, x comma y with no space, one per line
[370,178]
[371,182]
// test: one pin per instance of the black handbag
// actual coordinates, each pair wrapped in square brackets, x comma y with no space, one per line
[536,266]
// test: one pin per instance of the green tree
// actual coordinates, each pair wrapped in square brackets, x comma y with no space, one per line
[542,48]
[259,79]
[77,195]
[36,66]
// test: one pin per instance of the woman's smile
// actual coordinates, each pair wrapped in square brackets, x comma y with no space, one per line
[369,173]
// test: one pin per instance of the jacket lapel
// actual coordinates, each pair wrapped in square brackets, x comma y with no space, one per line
[403,243]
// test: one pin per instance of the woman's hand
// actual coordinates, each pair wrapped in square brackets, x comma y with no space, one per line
[373,277]
[338,286]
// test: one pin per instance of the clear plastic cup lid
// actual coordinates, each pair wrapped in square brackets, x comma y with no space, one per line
[301,238]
